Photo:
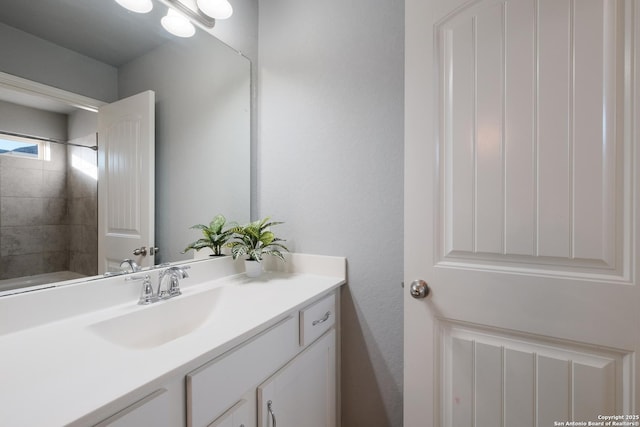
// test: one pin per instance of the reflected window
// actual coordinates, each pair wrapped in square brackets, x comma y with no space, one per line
[27,148]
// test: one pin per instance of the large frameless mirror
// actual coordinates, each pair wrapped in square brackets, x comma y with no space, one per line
[98,50]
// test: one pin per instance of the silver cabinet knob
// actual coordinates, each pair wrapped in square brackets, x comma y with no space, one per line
[419,289]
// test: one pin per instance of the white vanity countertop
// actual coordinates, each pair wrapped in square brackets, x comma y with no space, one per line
[58,372]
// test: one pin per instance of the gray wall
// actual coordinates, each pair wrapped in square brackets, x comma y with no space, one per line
[36,59]
[202,135]
[241,33]
[330,165]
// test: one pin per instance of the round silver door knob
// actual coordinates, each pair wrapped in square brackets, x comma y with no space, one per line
[419,289]
[140,251]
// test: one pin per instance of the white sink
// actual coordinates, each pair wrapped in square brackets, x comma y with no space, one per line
[161,322]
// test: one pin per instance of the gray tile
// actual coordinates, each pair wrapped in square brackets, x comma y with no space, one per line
[54,212]
[55,238]
[21,240]
[83,238]
[83,211]
[75,237]
[90,211]
[76,210]
[20,182]
[83,263]
[55,261]
[16,211]
[20,265]
[20,162]
[90,239]
[58,159]
[54,184]
[81,185]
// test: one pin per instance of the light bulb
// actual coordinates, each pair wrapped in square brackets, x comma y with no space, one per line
[138,6]
[217,9]
[177,24]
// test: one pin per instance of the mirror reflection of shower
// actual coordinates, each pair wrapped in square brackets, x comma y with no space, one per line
[48,193]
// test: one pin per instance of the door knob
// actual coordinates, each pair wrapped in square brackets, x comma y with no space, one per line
[140,251]
[419,289]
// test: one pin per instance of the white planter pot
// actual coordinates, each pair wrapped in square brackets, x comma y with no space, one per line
[252,268]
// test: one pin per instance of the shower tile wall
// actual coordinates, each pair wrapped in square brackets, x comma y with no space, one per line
[48,219]
[82,199]
[34,230]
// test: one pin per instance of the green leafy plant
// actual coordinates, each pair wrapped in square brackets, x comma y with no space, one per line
[255,240]
[214,236]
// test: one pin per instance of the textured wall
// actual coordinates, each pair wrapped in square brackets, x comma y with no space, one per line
[330,164]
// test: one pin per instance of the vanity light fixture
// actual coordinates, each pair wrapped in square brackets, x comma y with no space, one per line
[177,24]
[190,9]
[217,9]
[138,6]
[182,13]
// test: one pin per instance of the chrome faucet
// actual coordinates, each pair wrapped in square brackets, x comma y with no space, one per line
[148,296]
[133,266]
[174,274]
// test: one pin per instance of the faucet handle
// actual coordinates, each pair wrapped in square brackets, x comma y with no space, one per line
[178,270]
[174,286]
[174,273]
[146,293]
[181,269]
[132,265]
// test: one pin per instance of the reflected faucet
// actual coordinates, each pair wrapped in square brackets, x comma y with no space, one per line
[132,265]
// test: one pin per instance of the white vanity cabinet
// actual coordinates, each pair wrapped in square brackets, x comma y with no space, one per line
[293,364]
[202,359]
[303,393]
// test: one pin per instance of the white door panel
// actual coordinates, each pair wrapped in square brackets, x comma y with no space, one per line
[521,211]
[126,168]
[529,166]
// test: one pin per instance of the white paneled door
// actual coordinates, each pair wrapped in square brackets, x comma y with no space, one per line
[522,211]
[126,176]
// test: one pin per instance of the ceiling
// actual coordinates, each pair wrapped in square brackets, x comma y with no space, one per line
[99,29]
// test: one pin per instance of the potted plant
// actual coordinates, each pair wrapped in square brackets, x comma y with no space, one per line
[255,240]
[214,236]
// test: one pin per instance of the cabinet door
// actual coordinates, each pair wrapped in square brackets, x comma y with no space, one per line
[215,387]
[237,416]
[303,392]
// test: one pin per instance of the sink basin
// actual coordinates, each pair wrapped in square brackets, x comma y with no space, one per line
[159,323]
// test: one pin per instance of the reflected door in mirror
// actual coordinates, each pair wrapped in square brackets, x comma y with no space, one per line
[126,157]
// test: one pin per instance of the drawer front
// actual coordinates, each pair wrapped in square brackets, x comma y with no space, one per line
[316,319]
[215,387]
